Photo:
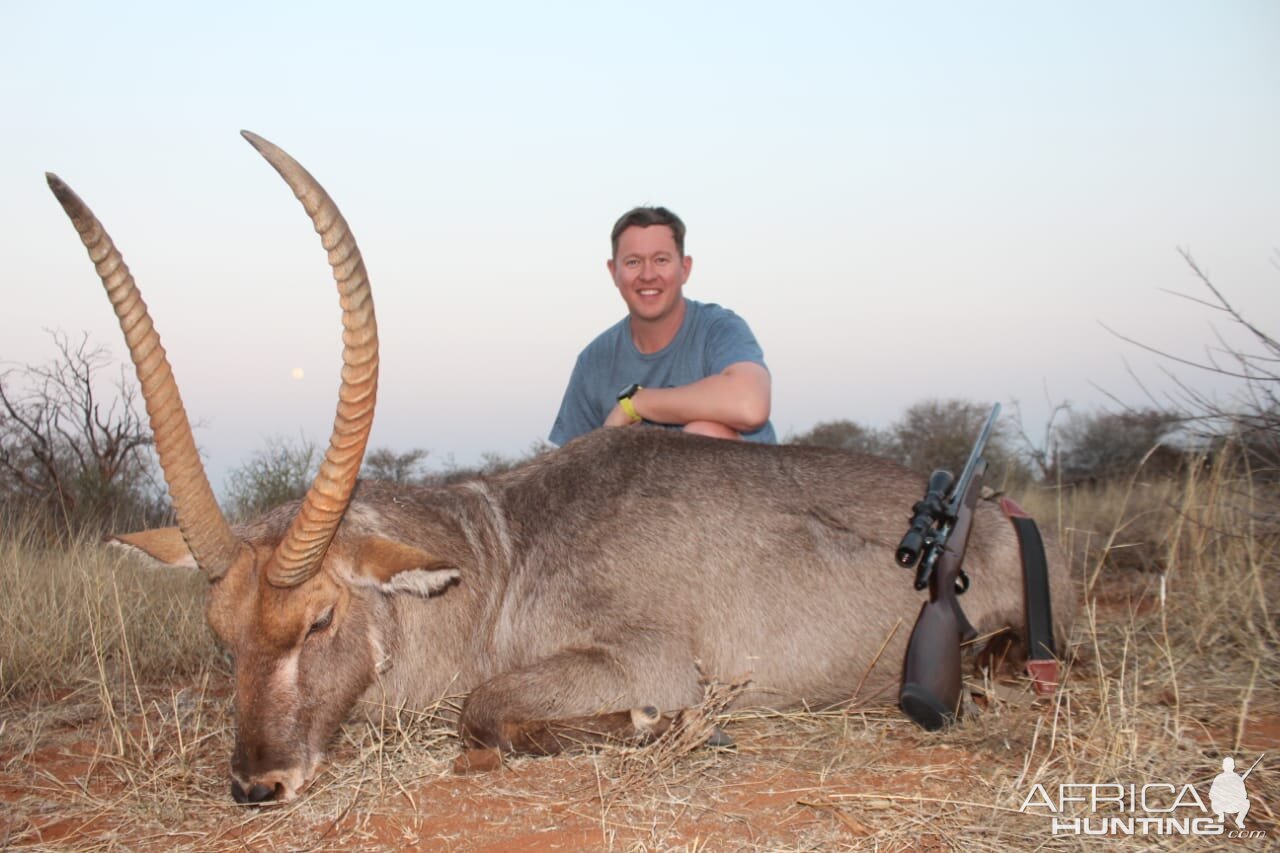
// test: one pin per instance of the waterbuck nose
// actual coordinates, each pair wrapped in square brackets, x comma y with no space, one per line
[259,793]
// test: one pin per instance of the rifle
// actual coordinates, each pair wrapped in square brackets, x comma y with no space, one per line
[1251,766]
[936,541]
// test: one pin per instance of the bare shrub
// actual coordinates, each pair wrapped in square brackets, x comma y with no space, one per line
[75,453]
[279,472]
[383,463]
[1253,421]
[1251,418]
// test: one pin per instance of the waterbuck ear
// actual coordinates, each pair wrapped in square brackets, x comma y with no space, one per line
[164,545]
[397,567]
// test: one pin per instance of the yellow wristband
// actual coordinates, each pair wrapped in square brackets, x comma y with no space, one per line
[630,408]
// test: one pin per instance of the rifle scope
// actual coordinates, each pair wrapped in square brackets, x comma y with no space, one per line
[928,511]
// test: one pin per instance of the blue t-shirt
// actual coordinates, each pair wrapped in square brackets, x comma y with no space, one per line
[710,339]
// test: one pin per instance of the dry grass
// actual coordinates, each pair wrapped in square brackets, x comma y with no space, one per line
[91,615]
[115,709]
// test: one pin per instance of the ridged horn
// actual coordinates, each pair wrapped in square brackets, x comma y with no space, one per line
[203,525]
[298,556]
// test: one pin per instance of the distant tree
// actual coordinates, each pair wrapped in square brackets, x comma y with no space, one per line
[930,434]
[384,463]
[848,435]
[490,463]
[1105,445]
[281,471]
[1040,454]
[73,446]
[940,434]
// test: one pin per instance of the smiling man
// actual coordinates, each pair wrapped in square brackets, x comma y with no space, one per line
[671,361]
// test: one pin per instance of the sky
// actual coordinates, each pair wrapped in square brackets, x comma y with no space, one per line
[904,200]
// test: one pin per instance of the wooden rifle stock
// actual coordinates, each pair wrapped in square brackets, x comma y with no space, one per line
[931,683]
[931,678]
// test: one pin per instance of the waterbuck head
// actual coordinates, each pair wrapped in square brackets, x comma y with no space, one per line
[297,601]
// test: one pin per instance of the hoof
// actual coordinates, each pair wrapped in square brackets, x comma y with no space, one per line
[644,719]
[719,739]
[477,761]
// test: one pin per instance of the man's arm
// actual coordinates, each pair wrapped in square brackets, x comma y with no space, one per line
[738,397]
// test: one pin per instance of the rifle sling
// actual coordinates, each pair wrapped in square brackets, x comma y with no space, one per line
[1042,664]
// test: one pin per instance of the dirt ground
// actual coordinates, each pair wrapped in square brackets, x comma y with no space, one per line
[790,783]
[146,769]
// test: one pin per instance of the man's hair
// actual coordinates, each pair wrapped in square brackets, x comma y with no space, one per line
[643,217]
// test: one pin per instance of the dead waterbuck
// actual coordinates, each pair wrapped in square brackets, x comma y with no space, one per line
[581,596]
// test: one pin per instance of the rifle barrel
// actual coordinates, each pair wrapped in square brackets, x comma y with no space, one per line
[962,484]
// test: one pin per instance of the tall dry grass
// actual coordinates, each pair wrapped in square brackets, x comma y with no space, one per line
[1174,664]
[74,615]
[1177,653]
[1206,543]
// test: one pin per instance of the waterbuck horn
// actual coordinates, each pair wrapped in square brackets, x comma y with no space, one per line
[203,526]
[298,556]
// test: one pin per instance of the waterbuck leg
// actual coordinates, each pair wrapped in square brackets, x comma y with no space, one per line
[548,737]
[637,727]
[554,705]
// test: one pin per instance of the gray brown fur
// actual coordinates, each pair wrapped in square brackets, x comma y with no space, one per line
[609,574]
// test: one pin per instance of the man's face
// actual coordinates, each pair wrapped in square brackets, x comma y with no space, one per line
[649,271]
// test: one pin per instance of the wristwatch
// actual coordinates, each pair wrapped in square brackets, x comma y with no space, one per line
[624,400]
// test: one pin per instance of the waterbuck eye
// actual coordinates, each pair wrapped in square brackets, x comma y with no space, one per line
[323,622]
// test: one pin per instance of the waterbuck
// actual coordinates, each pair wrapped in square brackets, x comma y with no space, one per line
[581,596]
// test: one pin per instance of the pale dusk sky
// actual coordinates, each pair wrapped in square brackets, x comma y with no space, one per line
[904,200]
